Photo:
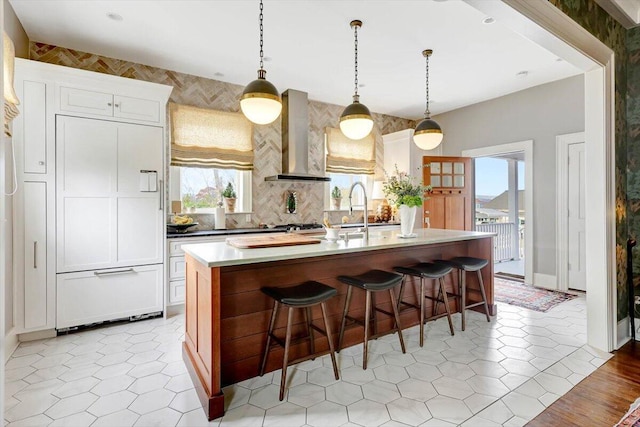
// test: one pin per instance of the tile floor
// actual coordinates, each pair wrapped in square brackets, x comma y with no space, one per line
[501,373]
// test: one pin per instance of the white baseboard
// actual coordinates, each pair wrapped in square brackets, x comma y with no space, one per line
[174,310]
[547,281]
[39,335]
[624,331]
[11,343]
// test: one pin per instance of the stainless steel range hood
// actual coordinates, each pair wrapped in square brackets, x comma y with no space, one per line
[295,139]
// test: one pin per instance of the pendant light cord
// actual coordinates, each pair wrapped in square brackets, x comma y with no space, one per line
[355,30]
[427,113]
[261,37]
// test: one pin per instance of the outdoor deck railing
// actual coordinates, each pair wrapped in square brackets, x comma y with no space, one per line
[503,248]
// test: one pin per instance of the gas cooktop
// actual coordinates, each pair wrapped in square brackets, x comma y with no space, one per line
[299,226]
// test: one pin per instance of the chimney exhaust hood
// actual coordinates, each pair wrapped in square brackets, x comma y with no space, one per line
[295,139]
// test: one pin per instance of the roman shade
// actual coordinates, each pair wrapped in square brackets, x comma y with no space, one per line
[10,97]
[202,137]
[346,155]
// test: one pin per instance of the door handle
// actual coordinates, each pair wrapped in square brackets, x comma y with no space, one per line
[107,273]
[35,254]
[161,191]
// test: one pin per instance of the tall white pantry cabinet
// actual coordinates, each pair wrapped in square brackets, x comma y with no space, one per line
[89,212]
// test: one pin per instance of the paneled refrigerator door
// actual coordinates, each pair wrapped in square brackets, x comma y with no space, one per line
[105,217]
[140,208]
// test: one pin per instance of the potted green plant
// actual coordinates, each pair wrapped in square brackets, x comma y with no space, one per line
[229,195]
[336,197]
[406,195]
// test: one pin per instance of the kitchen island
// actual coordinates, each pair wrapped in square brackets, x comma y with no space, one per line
[227,315]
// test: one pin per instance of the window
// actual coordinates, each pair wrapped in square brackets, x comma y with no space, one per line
[344,182]
[200,189]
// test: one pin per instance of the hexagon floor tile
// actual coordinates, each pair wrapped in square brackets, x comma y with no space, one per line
[498,373]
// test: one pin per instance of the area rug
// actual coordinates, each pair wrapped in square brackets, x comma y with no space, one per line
[631,418]
[522,295]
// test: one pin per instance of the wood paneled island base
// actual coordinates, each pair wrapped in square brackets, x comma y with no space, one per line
[227,316]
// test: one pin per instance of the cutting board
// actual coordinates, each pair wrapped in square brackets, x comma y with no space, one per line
[270,240]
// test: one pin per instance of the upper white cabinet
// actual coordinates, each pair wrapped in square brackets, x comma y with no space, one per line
[108,104]
[34,128]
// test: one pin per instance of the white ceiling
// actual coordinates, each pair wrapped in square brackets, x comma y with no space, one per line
[310,46]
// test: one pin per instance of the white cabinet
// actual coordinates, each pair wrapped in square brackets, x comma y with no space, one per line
[176,274]
[103,218]
[36,292]
[107,104]
[80,209]
[34,127]
[94,296]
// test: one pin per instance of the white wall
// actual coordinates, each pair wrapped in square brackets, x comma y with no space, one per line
[539,113]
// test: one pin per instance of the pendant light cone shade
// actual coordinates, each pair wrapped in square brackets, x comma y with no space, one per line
[260,101]
[356,121]
[428,134]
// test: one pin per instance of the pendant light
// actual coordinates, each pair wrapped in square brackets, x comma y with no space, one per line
[356,121]
[260,101]
[428,134]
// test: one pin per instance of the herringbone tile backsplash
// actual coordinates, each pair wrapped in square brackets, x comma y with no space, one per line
[268,197]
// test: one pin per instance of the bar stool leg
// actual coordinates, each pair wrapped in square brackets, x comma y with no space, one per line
[312,341]
[443,291]
[401,292]
[285,360]
[367,313]
[484,296]
[463,296]
[330,339]
[374,314]
[347,302]
[421,311]
[397,316]
[272,322]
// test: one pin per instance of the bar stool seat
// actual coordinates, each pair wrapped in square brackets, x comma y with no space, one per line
[427,270]
[302,296]
[466,264]
[371,281]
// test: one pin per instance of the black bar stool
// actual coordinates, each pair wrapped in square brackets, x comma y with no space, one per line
[305,295]
[427,270]
[466,264]
[371,281]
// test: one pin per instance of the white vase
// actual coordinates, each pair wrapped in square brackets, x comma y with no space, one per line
[407,219]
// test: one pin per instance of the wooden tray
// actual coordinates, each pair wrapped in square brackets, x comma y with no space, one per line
[271,240]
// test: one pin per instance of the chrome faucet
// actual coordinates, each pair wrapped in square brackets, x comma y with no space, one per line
[366,221]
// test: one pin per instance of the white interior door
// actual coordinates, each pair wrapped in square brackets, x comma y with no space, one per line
[576,216]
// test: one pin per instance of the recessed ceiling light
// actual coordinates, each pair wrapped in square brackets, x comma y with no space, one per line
[114,16]
[522,74]
[488,20]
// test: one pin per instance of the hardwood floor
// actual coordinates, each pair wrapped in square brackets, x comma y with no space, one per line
[602,398]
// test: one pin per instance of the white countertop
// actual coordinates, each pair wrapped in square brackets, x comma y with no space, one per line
[220,254]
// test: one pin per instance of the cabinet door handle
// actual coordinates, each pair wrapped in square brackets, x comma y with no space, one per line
[117,105]
[161,191]
[35,254]
[109,104]
[106,273]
